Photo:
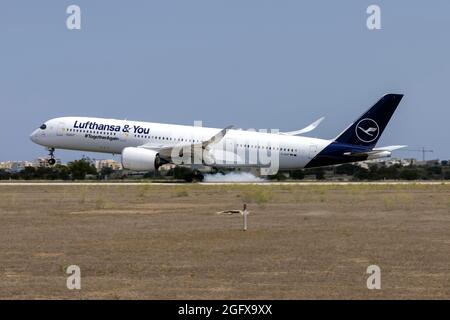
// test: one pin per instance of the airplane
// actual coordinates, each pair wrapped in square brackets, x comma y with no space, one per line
[145,146]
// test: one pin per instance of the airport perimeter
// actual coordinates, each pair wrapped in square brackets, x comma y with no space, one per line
[166,241]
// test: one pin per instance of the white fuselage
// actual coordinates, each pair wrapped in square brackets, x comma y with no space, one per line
[112,136]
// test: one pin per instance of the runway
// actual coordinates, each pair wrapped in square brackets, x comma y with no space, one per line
[263,183]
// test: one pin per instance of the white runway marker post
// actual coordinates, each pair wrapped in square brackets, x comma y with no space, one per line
[245,214]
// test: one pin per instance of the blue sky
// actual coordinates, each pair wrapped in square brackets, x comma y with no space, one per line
[254,64]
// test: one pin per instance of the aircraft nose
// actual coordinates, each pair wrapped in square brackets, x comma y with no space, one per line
[33,136]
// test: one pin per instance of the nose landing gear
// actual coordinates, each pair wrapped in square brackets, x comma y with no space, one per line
[51,161]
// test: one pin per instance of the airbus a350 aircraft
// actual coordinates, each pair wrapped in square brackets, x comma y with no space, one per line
[145,146]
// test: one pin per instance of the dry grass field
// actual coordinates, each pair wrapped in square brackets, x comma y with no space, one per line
[167,242]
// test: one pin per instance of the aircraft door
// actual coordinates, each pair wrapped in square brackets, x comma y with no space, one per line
[60,129]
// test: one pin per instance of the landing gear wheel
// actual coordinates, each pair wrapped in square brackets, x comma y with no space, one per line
[198,176]
[51,153]
[214,170]
[194,176]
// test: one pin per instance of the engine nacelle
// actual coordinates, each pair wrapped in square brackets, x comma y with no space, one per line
[140,159]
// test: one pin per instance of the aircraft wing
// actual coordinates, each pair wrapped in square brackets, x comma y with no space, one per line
[166,150]
[217,137]
[309,128]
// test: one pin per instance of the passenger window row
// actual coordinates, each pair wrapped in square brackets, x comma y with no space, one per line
[197,141]
[248,146]
[108,133]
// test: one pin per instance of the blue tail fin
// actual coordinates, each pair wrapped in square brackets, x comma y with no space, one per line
[368,128]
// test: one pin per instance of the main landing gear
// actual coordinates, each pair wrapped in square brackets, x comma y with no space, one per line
[194,176]
[51,152]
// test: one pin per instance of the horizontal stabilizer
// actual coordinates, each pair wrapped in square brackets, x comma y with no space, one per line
[388,148]
[375,153]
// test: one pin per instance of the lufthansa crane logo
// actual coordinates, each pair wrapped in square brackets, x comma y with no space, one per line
[367,130]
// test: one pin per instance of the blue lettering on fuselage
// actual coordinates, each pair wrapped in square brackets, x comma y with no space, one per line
[95,126]
[141,130]
[109,127]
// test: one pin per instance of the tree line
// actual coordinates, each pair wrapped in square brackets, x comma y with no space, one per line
[83,168]
[376,172]
[75,170]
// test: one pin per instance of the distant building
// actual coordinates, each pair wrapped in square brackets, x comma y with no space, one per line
[388,162]
[364,164]
[428,163]
[15,166]
[109,163]
[5,165]
[410,161]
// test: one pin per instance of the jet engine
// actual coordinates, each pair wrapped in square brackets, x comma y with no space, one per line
[140,159]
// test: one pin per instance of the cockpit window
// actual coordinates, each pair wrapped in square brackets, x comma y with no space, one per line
[43,127]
